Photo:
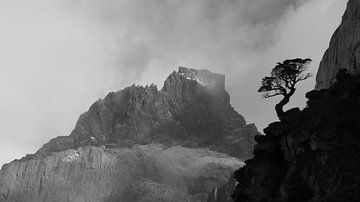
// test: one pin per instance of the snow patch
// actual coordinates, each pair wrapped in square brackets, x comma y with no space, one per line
[71,156]
[194,77]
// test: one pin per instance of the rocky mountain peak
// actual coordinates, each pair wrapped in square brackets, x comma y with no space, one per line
[204,78]
[140,144]
[192,109]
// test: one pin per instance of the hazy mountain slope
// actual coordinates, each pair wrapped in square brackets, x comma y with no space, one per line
[141,173]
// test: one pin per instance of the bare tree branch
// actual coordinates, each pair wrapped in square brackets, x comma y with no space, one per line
[283,79]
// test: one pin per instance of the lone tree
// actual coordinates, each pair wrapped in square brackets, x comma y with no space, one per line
[284,77]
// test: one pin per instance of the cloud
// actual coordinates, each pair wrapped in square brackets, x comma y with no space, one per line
[57,57]
[203,33]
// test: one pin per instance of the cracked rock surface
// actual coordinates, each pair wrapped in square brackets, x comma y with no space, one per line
[141,173]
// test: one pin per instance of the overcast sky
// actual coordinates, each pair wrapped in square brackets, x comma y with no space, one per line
[58,57]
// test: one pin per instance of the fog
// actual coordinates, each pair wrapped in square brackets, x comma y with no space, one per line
[58,57]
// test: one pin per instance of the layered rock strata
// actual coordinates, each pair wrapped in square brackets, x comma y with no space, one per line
[94,174]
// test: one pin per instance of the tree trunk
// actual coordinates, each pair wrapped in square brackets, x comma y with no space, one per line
[279,107]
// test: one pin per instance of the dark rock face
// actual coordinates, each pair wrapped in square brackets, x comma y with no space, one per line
[312,155]
[192,110]
[344,49]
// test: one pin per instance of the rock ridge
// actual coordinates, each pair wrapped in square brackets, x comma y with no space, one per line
[192,109]
[140,144]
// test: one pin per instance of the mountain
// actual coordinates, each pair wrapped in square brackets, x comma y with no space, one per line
[312,154]
[192,109]
[140,144]
[344,49]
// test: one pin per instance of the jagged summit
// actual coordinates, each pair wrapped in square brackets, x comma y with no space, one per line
[140,144]
[203,77]
[192,109]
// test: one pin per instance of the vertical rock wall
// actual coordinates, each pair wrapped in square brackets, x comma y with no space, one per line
[344,49]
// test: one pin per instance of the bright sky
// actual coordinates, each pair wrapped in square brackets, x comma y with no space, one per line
[58,57]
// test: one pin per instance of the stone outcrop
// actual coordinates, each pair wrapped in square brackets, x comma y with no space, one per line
[224,192]
[311,155]
[344,49]
[192,110]
[141,173]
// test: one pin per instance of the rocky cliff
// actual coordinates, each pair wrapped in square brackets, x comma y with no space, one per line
[192,109]
[140,144]
[344,49]
[312,155]
[141,173]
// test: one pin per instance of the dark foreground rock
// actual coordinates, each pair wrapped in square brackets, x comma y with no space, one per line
[312,155]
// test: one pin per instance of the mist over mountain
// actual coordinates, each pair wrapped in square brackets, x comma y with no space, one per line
[60,56]
[140,144]
[185,141]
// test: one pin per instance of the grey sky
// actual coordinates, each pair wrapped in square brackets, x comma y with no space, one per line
[58,57]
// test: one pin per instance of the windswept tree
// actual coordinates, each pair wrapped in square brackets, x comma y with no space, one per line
[284,76]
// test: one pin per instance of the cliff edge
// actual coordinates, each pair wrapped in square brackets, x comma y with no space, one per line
[312,155]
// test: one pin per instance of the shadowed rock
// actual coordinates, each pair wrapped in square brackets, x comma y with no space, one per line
[313,155]
[193,110]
